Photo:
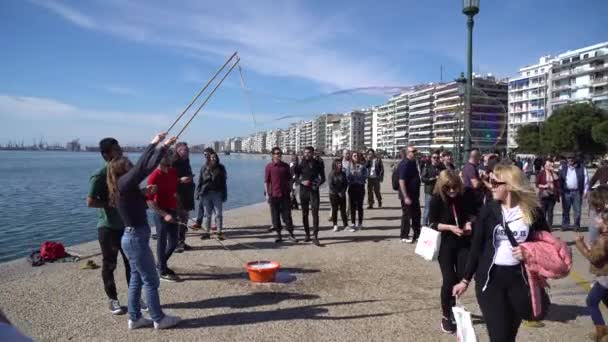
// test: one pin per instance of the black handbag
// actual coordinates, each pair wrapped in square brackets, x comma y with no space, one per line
[545,299]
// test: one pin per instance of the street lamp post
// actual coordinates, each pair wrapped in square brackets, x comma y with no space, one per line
[470,8]
[462,85]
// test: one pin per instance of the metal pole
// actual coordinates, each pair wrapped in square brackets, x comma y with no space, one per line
[201,91]
[469,88]
[209,96]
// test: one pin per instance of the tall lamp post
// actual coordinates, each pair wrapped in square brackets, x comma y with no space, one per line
[470,8]
[462,86]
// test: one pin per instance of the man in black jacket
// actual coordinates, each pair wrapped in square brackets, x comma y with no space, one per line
[430,172]
[311,177]
[185,193]
[374,178]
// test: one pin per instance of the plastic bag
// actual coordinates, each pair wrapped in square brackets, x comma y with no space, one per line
[464,325]
[428,244]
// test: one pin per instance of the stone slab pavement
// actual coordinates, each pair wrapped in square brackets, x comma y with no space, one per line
[362,286]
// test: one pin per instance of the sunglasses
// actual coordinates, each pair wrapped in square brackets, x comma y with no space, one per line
[277,154]
[449,189]
[495,184]
[434,157]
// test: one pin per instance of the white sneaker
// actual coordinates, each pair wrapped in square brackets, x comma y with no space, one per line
[140,323]
[403,240]
[409,240]
[353,228]
[336,228]
[167,322]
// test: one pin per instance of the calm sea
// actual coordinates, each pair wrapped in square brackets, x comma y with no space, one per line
[42,195]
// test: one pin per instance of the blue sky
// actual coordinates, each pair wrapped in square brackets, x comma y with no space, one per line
[126,68]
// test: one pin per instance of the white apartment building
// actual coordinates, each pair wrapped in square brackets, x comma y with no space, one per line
[236,145]
[351,130]
[319,132]
[333,135]
[385,127]
[259,143]
[401,123]
[574,76]
[247,144]
[273,139]
[368,129]
[420,121]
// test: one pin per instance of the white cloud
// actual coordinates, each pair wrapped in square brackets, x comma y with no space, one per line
[274,38]
[119,90]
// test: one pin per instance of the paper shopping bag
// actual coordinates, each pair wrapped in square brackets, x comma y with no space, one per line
[428,244]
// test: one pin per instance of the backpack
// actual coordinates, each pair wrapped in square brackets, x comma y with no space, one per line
[395,179]
[52,250]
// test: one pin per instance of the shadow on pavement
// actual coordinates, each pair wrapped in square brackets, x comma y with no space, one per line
[314,312]
[564,312]
[242,301]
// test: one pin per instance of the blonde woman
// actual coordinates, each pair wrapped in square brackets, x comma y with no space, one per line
[500,279]
[450,213]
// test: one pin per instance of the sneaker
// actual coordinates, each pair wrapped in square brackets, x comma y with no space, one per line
[307,239]
[336,228]
[292,238]
[196,226]
[370,207]
[172,278]
[447,326]
[379,205]
[179,249]
[271,229]
[220,236]
[278,240]
[187,247]
[316,242]
[410,241]
[140,323]
[143,306]
[167,322]
[170,271]
[403,240]
[205,236]
[352,229]
[115,307]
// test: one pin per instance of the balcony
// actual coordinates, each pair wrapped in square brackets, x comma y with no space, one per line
[428,124]
[420,105]
[414,120]
[420,112]
[445,99]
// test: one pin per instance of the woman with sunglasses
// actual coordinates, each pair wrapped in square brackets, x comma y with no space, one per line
[356,175]
[449,213]
[500,279]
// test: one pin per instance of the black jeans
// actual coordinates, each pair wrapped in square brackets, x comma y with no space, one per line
[452,261]
[410,216]
[504,302]
[109,241]
[167,240]
[310,198]
[356,193]
[182,216]
[373,188]
[548,205]
[338,203]
[281,207]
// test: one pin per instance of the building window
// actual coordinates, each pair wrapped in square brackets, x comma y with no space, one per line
[585,56]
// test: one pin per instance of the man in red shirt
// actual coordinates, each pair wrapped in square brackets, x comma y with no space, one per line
[163,201]
[277,181]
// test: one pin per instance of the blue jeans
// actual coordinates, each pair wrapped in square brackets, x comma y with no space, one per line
[201,211]
[572,199]
[167,239]
[136,245]
[212,200]
[427,203]
[595,296]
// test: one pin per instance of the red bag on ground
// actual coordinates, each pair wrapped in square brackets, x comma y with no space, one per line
[52,250]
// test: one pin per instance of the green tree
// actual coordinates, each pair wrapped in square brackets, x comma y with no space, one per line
[528,139]
[568,129]
[599,133]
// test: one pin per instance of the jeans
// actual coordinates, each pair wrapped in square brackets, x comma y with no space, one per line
[281,207]
[182,216]
[167,240]
[213,202]
[356,192]
[373,188]
[452,261]
[338,203]
[572,199]
[595,296]
[201,211]
[548,204]
[410,216]
[501,302]
[109,241]
[136,244]
[309,198]
[427,203]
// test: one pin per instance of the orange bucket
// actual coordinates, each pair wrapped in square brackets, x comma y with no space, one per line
[262,271]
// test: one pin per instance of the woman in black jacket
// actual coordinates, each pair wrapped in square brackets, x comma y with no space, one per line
[337,193]
[450,213]
[214,192]
[500,279]
[126,196]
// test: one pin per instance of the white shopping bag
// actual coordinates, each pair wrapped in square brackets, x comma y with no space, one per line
[464,325]
[428,244]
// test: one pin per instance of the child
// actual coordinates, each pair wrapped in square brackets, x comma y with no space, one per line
[598,257]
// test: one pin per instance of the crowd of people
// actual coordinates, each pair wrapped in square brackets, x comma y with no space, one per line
[488,213]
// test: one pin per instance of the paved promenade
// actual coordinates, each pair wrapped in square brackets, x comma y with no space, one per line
[363,286]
